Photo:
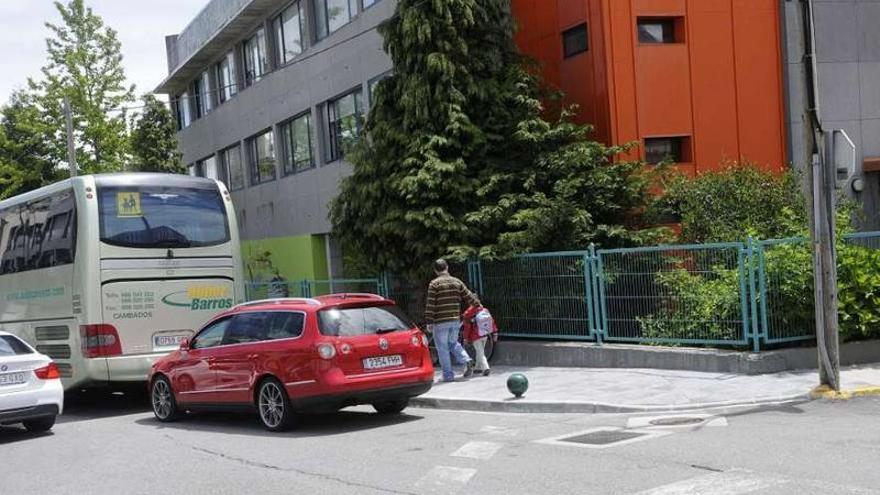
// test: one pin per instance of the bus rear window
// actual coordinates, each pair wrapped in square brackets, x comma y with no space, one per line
[162,217]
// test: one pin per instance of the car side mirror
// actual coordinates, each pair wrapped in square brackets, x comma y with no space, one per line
[184,345]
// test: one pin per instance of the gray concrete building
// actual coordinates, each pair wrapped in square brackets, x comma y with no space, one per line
[265,93]
[848,60]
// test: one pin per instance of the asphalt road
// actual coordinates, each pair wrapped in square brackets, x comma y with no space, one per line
[111,445]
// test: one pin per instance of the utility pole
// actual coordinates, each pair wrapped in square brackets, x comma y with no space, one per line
[822,193]
[71,146]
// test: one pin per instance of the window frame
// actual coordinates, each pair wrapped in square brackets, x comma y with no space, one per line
[680,144]
[226,169]
[256,37]
[26,247]
[322,30]
[289,165]
[575,30]
[674,23]
[278,30]
[222,87]
[252,159]
[335,147]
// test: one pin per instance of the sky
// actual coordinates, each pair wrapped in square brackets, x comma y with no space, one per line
[141,25]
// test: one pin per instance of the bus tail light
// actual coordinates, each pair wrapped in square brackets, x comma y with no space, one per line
[100,341]
[49,372]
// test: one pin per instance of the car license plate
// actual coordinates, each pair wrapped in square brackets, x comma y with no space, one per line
[377,363]
[12,378]
[166,341]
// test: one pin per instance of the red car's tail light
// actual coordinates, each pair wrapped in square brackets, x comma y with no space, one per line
[100,341]
[326,351]
[49,372]
[415,340]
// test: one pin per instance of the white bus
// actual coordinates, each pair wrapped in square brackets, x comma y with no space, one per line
[106,273]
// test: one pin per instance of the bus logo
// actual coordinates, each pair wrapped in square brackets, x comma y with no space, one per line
[200,298]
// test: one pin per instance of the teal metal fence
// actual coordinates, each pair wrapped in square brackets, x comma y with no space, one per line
[742,295]
[695,294]
[544,296]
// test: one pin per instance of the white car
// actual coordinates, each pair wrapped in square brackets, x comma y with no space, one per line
[30,386]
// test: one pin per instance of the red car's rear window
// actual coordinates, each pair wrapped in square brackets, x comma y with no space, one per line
[370,320]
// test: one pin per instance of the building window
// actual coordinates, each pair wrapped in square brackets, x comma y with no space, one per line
[667,149]
[574,41]
[373,84]
[297,142]
[234,170]
[184,114]
[202,95]
[261,157]
[255,63]
[660,30]
[344,117]
[208,168]
[331,15]
[226,77]
[369,3]
[288,32]
[193,170]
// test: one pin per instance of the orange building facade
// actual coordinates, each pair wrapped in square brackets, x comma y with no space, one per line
[695,81]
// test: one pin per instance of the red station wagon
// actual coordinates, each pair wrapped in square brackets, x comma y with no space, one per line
[284,356]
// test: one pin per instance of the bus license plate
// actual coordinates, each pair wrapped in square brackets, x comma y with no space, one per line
[377,363]
[165,341]
[12,379]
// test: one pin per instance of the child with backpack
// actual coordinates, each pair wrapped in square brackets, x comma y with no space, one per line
[479,326]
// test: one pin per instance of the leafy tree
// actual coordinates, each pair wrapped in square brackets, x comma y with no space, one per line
[154,139]
[85,64]
[26,162]
[457,157]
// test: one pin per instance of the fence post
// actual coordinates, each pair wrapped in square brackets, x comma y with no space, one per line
[305,288]
[753,263]
[591,272]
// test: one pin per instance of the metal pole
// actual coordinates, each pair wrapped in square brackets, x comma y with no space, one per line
[71,146]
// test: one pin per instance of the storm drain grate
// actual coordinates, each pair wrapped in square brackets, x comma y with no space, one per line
[603,437]
[681,421]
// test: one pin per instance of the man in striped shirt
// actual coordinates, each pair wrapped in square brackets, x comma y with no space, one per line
[443,316]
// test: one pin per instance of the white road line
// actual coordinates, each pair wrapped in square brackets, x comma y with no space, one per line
[444,479]
[727,483]
[478,450]
[502,431]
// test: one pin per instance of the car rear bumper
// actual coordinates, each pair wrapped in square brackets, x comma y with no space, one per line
[12,416]
[47,400]
[363,396]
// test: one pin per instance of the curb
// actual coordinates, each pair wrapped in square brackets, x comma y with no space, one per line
[557,407]
[824,392]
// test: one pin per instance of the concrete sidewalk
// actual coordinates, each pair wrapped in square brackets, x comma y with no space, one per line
[590,390]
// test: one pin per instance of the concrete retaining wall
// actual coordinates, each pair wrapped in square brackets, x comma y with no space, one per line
[585,355]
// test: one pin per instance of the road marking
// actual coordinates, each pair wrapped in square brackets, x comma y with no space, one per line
[478,450]
[727,483]
[500,431]
[444,479]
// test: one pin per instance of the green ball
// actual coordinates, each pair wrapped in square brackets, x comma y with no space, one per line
[517,383]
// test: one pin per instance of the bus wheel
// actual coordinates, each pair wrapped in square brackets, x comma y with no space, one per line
[162,398]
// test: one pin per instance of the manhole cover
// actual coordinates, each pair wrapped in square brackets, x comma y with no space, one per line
[603,437]
[684,421]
